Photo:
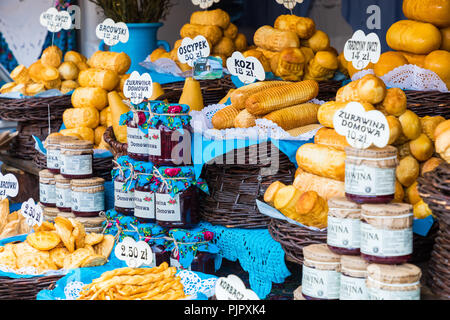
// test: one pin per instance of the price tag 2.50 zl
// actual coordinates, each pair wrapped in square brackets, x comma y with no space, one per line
[32,213]
[248,70]
[134,253]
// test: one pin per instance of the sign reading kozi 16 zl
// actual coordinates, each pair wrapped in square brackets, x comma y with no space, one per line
[193,49]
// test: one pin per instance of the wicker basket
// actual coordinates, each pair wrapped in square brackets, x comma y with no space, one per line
[234,188]
[25,288]
[117,148]
[101,166]
[429,103]
[34,109]
[328,90]
[294,238]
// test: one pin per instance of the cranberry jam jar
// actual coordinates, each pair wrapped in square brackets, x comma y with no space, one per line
[370,174]
[203,262]
[386,233]
[88,197]
[123,193]
[76,159]
[169,127]
[53,146]
[144,194]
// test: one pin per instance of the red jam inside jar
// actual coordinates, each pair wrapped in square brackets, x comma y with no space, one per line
[167,157]
[386,260]
[123,200]
[160,255]
[144,204]
[179,212]
[202,262]
[138,147]
[344,251]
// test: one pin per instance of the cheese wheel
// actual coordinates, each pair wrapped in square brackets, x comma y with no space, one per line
[436,12]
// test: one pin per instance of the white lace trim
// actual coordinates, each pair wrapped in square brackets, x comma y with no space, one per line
[409,77]
[31,271]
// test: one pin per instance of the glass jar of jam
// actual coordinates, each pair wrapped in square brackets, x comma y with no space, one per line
[160,255]
[386,233]
[144,203]
[53,146]
[76,159]
[180,211]
[344,226]
[63,194]
[88,197]
[393,282]
[320,273]
[353,278]
[203,262]
[138,144]
[47,191]
[123,198]
[370,174]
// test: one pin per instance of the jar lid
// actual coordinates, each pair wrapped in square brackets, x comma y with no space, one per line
[320,252]
[404,273]
[77,145]
[354,263]
[92,222]
[342,203]
[59,139]
[91,182]
[60,179]
[391,209]
[46,174]
[66,214]
[375,153]
[51,212]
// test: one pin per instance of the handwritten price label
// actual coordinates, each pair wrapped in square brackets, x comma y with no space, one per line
[232,288]
[55,20]
[248,70]
[193,49]
[362,49]
[138,87]
[134,253]
[204,4]
[112,33]
[32,213]
[9,186]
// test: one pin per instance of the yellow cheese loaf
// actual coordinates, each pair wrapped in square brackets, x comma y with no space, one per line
[101,78]
[436,12]
[114,61]
[84,97]
[276,40]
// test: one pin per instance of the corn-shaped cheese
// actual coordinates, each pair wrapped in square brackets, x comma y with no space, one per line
[295,116]
[301,130]
[312,210]
[286,199]
[244,120]
[224,118]
[271,192]
[239,96]
[277,98]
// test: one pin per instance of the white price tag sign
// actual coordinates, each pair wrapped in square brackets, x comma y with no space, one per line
[55,20]
[9,186]
[289,4]
[138,87]
[112,33]
[193,49]
[204,4]
[134,253]
[232,288]
[362,49]
[361,128]
[32,213]
[248,70]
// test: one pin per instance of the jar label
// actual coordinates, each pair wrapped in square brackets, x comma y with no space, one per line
[386,243]
[353,288]
[344,233]
[47,193]
[122,199]
[175,263]
[63,198]
[323,284]
[168,208]
[137,142]
[154,142]
[88,202]
[76,165]
[53,158]
[369,181]
[144,204]
[380,294]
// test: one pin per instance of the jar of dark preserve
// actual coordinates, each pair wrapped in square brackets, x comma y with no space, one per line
[160,255]
[386,233]
[123,193]
[138,144]
[180,211]
[144,203]
[370,174]
[344,226]
[203,262]
[76,159]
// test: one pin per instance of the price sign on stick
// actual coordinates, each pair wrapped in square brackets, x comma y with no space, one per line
[248,70]
[232,288]
[112,33]
[138,87]
[55,20]
[361,128]
[289,4]
[9,186]
[360,50]
[193,49]
[204,4]
[32,213]
[134,253]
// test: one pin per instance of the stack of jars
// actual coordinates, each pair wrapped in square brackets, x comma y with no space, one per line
[68,186]
[151,183]
[369,238]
